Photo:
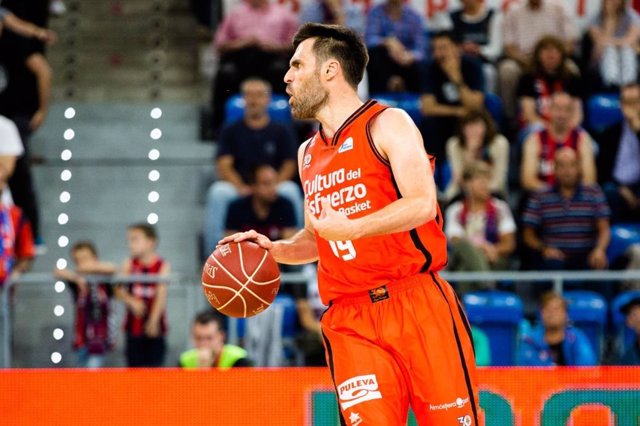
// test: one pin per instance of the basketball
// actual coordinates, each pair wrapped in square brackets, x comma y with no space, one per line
[240,279]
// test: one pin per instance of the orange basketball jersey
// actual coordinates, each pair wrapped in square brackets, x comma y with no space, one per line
[353,176]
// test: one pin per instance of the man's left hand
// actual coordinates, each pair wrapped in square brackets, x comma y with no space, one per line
[597,259]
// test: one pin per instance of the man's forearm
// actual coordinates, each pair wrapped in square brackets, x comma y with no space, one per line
[401,215]
[297,250]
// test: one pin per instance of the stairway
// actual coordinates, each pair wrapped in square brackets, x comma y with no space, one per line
[126,51]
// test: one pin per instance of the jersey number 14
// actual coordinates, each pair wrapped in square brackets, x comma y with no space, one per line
[343,249]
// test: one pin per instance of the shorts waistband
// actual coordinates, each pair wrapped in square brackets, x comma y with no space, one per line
[385,291]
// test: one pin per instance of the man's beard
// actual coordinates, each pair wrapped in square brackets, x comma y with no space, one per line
[312,97]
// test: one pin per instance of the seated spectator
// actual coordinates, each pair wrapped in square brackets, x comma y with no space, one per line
[453,86]
[614,34]
[619,159]
[567,225]
[336,12]
[538,153]
[631,311]
[480,228]
[480,30]
[210,351]
[549,74]
[92,302]
[481,347]
[477,139]
[264,210]
[145,322]
[253,32]
[524,26]
[243,145]
[10,149]
[554,342]
[309,341]
[397,46]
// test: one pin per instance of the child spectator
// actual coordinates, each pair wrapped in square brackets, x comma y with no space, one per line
[554,341]
[145,322]
[631,311]
[92,302]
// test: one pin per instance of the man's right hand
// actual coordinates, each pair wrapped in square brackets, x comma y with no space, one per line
[137,307]
[552,253]
[262,240]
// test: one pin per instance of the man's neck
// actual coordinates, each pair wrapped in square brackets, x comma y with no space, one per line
[260,207]
[257,122]
[559,134]
[337,110]
[477,204]
[554,335]
[472,10]
[147,258]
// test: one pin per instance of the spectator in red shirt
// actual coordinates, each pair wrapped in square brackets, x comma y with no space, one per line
[92,302]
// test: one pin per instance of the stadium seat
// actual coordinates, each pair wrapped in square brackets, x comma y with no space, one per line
[622,236]
[499,314]
[624,336]
[278,109]
[289,327]
[588,312]
[493,104]
[410,102]
[603,111]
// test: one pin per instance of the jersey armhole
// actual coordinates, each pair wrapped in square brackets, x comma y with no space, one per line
[372,145]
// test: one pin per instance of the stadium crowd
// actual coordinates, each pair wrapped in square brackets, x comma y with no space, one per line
[531,176]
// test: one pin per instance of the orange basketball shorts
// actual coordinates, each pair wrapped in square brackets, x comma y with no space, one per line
[404,344]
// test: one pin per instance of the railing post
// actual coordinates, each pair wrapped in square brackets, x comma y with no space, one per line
[558,284]
[6,325]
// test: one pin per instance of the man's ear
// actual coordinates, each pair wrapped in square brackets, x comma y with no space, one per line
[330,69]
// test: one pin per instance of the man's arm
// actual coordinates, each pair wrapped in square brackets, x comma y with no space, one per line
[27,29]
[287,170]
[398,140]
[7,166]
[530,164]
[598,256]
[429,106]
[226,171]
[38,65]
[152,327]
[471,99]
[512,52]
[587,159]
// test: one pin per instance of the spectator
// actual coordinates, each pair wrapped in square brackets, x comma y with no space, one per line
[480,228]
[619,159]
[92,304]
[567,225]
[454,86]
[309,307]
[264,210]
[614,33]
[17,250]
[537,171]
[145,322]
[524,26]
[397,46]
[337,12]
[481,347]
[254,32]
[24,99]
[253,141]
[631,311]
[26,29]
[480,29]
[208,335]
[549,74]
[477,139]
[554,342]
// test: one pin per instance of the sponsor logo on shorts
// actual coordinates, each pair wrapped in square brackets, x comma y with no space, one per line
[358,389]
[458,403]
[355,419]
[465,420]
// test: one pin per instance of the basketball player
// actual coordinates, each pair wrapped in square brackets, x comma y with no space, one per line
[395,334]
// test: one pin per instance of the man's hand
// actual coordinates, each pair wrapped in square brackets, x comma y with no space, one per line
[205,358]
[137,307]
[333,225]
[152,328]
[37,119]
[490,251]
[451,67]
[553,253]
[471,48]
[597,259]
[262,240]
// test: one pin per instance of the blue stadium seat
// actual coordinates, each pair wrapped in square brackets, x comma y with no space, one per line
[603,111]
[622,236]
[289,327]
[588,312]
[278,109]
[410,102]
[493,104]
[499,314]
[624,336]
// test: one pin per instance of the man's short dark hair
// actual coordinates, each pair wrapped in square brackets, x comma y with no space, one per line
[85,245]
[341,43]
[253,173]
[149,231]
[451,35]
[209,316]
